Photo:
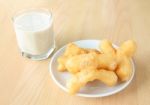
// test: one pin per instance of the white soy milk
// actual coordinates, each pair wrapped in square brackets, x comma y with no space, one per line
[34,32]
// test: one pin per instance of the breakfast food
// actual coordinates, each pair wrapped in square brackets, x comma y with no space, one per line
[90,60]
[128,48]
[124,69]
[107,48]
[83,61]
[108,64]
[124,54]
[87,75]
[71,51]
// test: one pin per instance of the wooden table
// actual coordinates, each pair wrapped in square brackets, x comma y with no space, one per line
[27,82]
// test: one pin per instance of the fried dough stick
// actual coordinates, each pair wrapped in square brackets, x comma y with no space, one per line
[82,78]
[90,60]
[124,54]
[71,51]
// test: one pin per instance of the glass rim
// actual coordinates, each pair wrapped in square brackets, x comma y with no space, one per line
[42,10]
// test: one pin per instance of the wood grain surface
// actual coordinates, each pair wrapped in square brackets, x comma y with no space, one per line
[27,82]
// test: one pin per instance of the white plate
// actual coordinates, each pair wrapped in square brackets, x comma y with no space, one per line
[93,89]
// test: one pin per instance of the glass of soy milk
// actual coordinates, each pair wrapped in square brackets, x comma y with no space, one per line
[34,31]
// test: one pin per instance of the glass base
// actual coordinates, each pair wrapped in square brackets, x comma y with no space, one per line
[38,57]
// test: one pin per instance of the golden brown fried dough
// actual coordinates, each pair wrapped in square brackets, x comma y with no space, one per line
[108,57]
[62,60]
[91,60]
[83,61]
[107,48]
[128,48]
[71,51]
[82,78]
[107,61]
[87,65]
[124,69]
[124,54]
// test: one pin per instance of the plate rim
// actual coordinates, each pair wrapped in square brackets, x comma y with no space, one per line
[88,95]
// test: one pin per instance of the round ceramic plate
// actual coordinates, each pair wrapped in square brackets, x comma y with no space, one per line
[92,89]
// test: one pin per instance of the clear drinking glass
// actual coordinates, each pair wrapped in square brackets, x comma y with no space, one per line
[34,32]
